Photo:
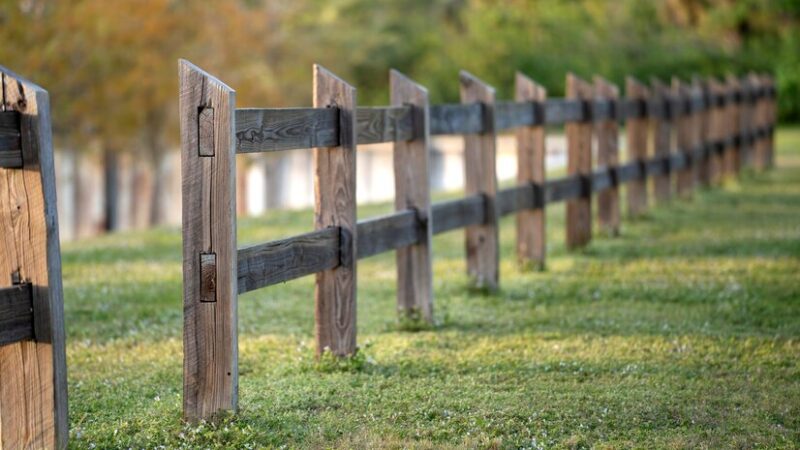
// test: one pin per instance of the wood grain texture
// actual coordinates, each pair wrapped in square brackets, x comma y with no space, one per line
[662,125]
[16,314]
[33,373]
[210,369]
[286,259]
[608,212]
[530,170]
[335,206]
[412,193]
[385,124]
[637,143]
[480,177]
[266,130]
[579,162]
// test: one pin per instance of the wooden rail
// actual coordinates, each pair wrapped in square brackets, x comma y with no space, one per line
[687,122]
[10,142]
[16,314]
[277,129]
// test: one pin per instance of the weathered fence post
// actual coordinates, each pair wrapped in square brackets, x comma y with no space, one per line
[703,118]
[636,137]
[745,121]
[412,191]
[607,132]
[482,241]
[772,117]
[335,206]
[684,177]
[733,146]
[579,163]
[662,136]
[531,155]
[716,131]
[761,122]
[695,117]
[208,172]
[33,373]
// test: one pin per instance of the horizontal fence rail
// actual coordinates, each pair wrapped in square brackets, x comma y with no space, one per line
[10,142]
[276,129]
[16,314]
[694,144]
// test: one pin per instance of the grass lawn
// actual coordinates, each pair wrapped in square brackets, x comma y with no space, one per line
[682,333]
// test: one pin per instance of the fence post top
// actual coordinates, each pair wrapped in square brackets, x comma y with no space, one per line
[396,76]
[187,66]
[525,87]
[635,88]
[22,80]
[467,79]
[605,88]
[319,70]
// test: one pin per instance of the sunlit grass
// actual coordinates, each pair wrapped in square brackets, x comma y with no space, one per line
[683,332]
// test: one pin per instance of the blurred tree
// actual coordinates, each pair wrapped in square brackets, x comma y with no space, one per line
[110,66]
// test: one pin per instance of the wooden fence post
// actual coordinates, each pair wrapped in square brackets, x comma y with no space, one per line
[716,131]
[761,122]
[412,191]
[531,155]
[607,133]
[662,136]
[335,206]
[480,173]
[636,136]
[579,162]
[33,372]
[683,135]
[703,118]
[733,148]
[696,119]
[772,118]
[208,172]
[745,122]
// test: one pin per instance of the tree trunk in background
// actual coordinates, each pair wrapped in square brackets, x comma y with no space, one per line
[242,166]
[156,213]
[140,187]
[272,171]
[111,190]
[82,199]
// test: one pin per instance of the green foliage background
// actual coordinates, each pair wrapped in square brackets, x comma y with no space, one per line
[110,66]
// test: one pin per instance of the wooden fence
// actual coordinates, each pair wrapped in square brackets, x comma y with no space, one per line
[700,132]
[33,378]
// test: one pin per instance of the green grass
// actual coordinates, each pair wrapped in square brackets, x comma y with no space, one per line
[682,333]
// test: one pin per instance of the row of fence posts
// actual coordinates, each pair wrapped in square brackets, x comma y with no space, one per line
[33,393]
[210,142]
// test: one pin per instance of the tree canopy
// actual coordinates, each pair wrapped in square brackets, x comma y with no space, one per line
[111,66]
